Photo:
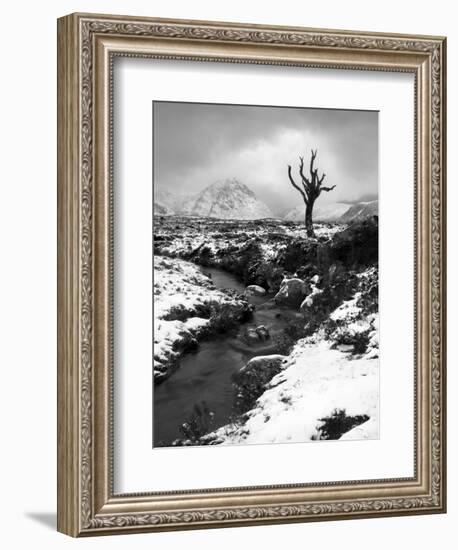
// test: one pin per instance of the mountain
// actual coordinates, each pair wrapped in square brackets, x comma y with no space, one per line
[326,213]
[229,199]
[167,203]
[336,212]
[161,209]
[360,211]
[225,199]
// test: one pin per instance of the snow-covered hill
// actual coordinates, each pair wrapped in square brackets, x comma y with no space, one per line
[227,199]
[360,211]
[321,213]
[167,203]
[161,209]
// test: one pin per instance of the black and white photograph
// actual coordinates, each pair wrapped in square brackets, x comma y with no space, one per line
[265,276]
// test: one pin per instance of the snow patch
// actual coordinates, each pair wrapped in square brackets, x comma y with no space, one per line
[347,310]
[316,381]
[181,290]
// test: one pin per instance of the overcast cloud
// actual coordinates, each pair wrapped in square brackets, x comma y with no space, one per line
[197,144]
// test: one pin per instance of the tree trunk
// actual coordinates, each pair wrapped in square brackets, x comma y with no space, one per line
[310,191]
[308,219]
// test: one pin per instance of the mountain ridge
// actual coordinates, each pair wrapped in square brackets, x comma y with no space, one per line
[230,198]
[225,199]
[360,211]
[326,213]
[336,212]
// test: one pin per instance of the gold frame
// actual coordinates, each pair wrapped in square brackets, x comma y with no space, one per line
[87,44]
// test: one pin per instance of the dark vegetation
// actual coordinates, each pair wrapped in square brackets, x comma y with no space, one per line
[199,423]
[338,423]
[222,316]
[197,428]
[294,330]
[250,383]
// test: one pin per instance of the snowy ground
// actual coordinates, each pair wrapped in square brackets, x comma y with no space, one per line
[318,380]
[184,301]
[219,235]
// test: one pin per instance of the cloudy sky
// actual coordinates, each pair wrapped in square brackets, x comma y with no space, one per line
[198,144]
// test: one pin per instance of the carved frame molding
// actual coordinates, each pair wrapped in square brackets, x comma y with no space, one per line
[87,46]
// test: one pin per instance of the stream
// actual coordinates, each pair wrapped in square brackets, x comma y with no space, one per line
[205,375]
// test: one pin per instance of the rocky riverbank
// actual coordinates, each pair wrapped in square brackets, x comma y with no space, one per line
[326,388]
[187,309]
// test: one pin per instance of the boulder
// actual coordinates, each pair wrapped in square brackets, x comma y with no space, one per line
[251,336]
[262,364]
[252,379]
[310,300]
[292,292]
[255,290]
[262,333]
[255,335]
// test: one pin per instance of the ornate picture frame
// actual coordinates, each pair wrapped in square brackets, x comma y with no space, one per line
[87,46]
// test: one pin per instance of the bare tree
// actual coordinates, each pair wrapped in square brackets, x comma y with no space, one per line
[311,189]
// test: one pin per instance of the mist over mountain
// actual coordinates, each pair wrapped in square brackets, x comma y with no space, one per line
[360,211]
[224,199]
[167,203]
[326,213]
[336,212]
[231,199]
[366,197]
